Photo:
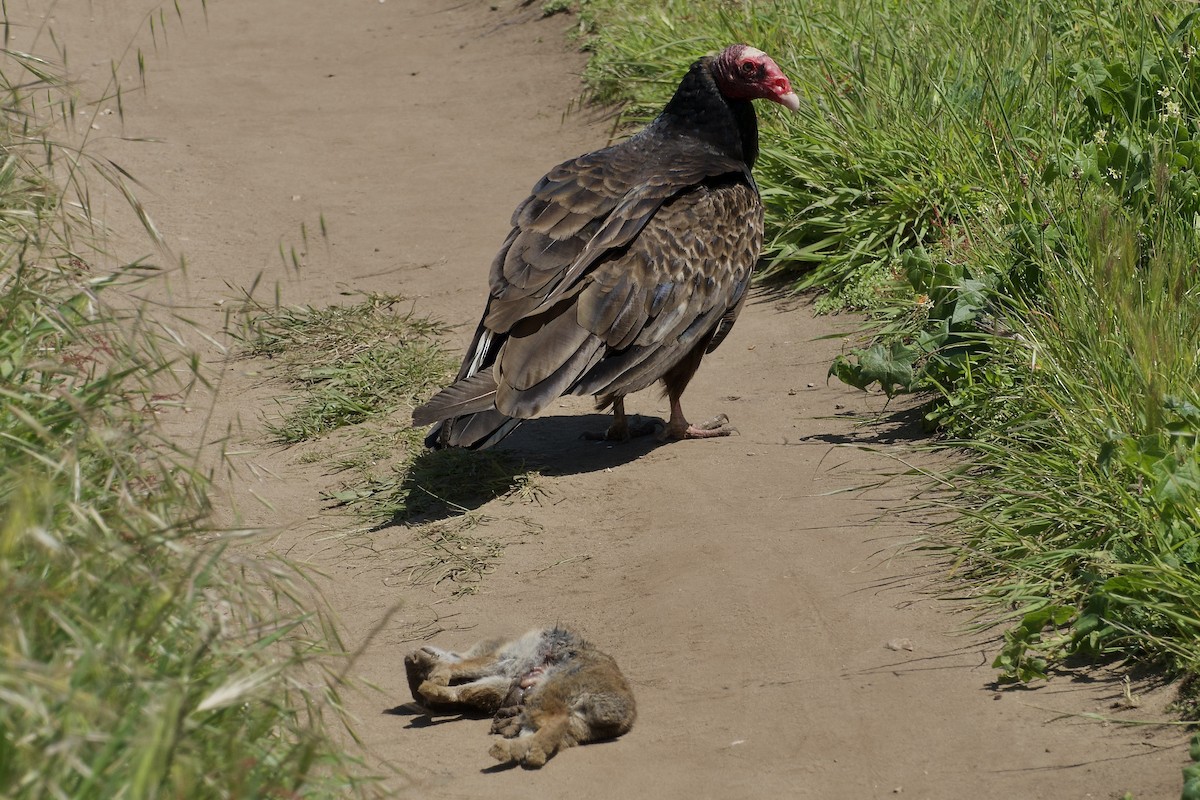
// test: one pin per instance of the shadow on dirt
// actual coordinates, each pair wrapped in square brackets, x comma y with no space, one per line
[494,768]
[440,484]
[902,426]
[555,446]
[445,483]
[422,718]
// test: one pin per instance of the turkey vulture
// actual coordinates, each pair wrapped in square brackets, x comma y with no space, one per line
[623,266]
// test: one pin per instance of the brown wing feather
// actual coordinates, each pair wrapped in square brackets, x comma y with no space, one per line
[579,211]
[686,275]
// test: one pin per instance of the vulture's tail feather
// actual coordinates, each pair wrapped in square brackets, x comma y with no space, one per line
[477,431]
[468,396]
[466,415]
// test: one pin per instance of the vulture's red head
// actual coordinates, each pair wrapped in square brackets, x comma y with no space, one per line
[744,73]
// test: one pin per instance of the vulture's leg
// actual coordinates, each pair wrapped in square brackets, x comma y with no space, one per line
[677,380]
[680,428]
[620,430]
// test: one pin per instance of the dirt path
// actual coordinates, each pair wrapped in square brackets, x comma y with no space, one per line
[748,595]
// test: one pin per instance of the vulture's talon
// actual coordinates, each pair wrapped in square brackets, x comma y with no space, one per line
[717,426]
[704,432]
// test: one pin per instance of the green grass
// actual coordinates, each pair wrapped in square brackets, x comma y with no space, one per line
[348,363]
[1083,502]
[1191,773]
[140,655]
[1009,190]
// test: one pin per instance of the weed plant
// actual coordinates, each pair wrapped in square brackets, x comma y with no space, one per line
[139,656]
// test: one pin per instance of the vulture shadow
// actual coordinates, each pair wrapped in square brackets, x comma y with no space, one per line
[441,484]
[556,446]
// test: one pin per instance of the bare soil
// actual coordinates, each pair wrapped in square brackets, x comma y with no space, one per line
[757,590]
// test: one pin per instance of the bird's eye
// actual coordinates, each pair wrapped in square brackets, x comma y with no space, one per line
[749,68]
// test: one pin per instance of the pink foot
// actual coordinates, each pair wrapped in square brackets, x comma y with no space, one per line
[717,426]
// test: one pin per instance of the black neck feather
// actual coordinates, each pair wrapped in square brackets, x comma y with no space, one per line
[699,110]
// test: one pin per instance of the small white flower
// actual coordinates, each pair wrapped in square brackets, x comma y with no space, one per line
[1165,92]
[1101,136]
[1112,173]
[1171,110]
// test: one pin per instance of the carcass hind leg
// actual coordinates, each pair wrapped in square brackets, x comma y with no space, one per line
[534,749]
[485,694]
